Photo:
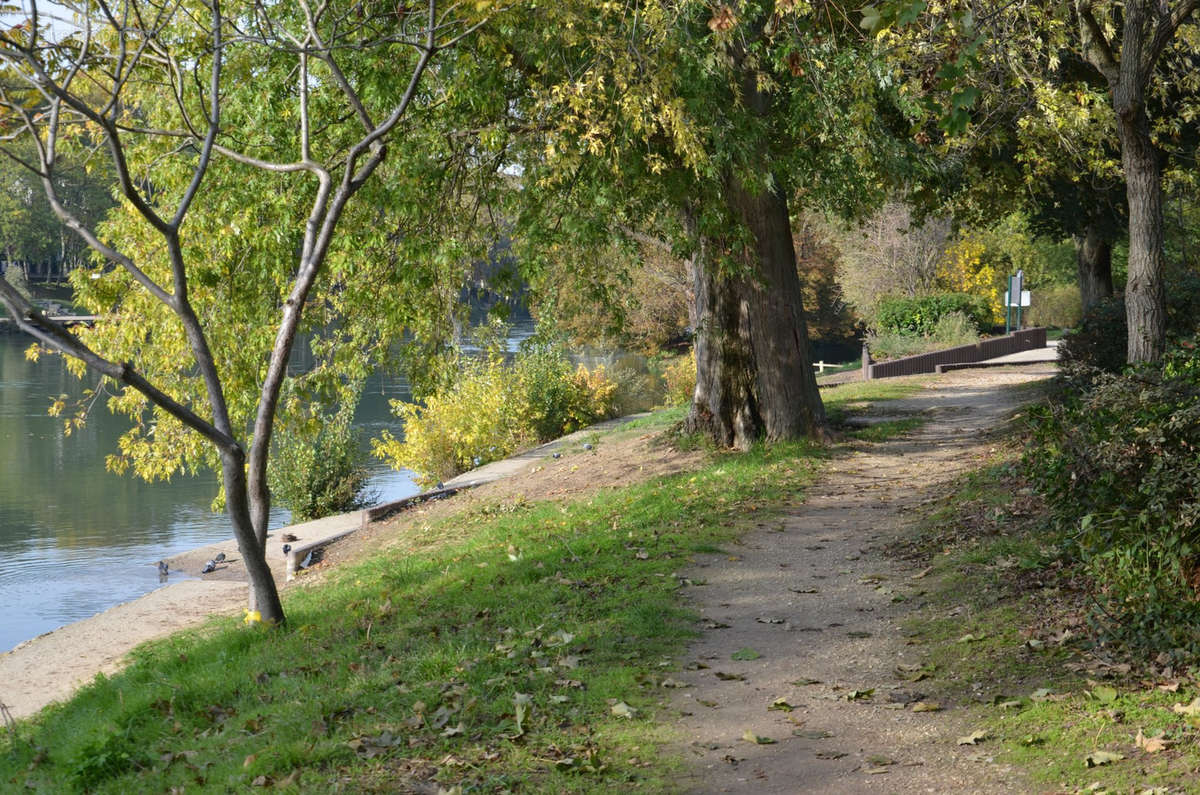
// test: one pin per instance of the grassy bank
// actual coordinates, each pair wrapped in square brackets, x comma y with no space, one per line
[1005,636]
[529,649]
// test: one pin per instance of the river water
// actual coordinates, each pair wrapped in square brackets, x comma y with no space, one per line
[76,539]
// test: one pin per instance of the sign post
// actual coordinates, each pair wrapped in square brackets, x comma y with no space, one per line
[1015,296]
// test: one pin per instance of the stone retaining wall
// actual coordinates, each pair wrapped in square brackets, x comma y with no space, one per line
[1025,340]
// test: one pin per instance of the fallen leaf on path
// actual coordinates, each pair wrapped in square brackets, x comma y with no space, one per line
[1151,745]
[1104,694]
[926,706]
[1097,758]
[1009,704]
[878,760]
[858,634]
[1192,709]
[812,734]
[770,620]
[744,654]
[781,704]
[973,738]
[707,703]
[859,695]
[751,737]
[623,710]
[803,590]
[724,677]
[830,754]
[971,638]
[803,681]
[922,573]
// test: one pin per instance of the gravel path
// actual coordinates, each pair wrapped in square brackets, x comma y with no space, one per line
[817,598]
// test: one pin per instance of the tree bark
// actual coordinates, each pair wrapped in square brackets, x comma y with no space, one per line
[723,406]
[263,595]
[1145,295]
[1093,259]
[788,398]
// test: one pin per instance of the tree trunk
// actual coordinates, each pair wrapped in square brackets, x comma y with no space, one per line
[788,398]
[1093,259]
[723,406]
[1145,296]
[263,595]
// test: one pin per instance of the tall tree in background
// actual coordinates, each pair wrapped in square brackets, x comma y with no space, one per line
[298,101]
[1126,43]
[705,125]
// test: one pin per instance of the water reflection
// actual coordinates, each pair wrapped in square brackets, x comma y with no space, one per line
[76,539]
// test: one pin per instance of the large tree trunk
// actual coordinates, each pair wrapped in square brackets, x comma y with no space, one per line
[1145,296]
[788,398]
[1093,258]
[723,406]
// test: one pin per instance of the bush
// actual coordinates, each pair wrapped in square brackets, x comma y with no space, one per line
[1101,339]
[492,409]
[1119,467]
[951,330]
[919,316]
[320,469]
[680,378]
[1058,306]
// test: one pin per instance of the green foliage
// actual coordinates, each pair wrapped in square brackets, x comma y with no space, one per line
[1118,466]
[319,468]
[1055,306]
[920,316]
[105,759]
[950,331]
[1100,341]
[492,408]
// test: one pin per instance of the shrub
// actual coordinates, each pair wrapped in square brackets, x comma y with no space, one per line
[680,378]
[1057,306]
[1119,467]
[951,330]
[1101,339]
[320,469]
[919,316]
[492,409]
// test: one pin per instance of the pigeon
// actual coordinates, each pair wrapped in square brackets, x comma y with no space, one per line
[287,548]
[209,567]
[557,455]
[289,537]
[477,460]
[220,558]
[587,446]
[440,485]
[162,568]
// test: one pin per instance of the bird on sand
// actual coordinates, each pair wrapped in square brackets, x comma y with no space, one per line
[162,568]
[220,558]
[287,548]
[289,537]
[211,566]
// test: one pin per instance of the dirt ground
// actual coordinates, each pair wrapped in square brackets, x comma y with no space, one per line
[813,595]
[819,606]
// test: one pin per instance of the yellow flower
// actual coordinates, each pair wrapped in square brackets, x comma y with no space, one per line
[251,617]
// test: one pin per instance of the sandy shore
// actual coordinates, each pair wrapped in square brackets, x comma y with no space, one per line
[52,666]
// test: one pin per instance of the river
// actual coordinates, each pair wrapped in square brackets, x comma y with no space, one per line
[76,539]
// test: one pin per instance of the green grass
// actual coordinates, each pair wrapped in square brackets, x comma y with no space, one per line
[997,576]
[413,665]
[416,665]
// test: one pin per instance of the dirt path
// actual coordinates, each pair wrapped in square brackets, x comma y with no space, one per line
[818,600]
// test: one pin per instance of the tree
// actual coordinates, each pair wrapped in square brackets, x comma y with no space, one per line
[1130,62]
[703,126]
[170,91]
[1147,66]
